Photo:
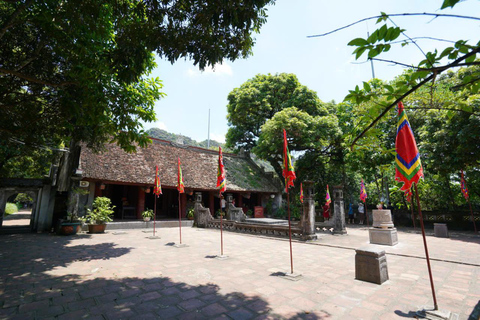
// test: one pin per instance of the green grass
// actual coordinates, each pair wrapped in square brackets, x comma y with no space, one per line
[11,208]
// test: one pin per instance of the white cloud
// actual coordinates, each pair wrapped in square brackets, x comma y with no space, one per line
[217,70]
[217,137]
[160,125]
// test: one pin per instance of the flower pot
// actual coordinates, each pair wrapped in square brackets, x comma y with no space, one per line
[146,219]
[97,228]
[69,228]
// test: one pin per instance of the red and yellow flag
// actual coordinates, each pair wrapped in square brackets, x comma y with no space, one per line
[363,192]
[288,171]
[180,185]
[157,189]
[301,193]
[463,185]
[408,168]
[328,200]
[221,177]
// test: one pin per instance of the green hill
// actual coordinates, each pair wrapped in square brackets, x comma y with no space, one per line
[178,138]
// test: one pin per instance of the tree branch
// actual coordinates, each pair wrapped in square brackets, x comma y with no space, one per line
[394,15]
[406,94]
[12,18]
[35,80]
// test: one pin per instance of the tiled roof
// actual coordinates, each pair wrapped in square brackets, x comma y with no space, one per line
[199,167]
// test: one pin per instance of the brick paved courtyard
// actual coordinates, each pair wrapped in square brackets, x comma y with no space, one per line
[121,275]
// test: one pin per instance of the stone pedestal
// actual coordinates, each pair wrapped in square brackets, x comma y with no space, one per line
[308,213]
[388,237]
[339,211]
[383,231]
[371,265]
[440,230]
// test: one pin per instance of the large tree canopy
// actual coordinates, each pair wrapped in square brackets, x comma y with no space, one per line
[259,99]
[79,69]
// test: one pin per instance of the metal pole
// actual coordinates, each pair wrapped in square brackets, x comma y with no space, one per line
[426,250]
[180,216]
[208,138]
[154,212]
[290,232]
[471,213]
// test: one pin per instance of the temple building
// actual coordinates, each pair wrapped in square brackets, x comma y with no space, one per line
[128,179]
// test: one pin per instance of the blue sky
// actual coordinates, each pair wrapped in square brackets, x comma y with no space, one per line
[325,65]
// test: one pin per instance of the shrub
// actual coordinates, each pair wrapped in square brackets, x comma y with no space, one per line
[102,210]
[11,208]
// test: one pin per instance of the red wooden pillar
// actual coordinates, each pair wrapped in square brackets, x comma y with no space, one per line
[211,204]
[98,191]
[240,201]
[141,202]
[183,199]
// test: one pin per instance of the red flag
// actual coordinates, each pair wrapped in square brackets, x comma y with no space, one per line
[221,177]
[328,200]
[180,185]
[157,189]
[463,185]
[363,192]
[288,172]
[408,168]
[301,193]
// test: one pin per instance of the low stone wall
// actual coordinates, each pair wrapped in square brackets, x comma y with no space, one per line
[260,229]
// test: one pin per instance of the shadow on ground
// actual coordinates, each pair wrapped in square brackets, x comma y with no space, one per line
[28,291]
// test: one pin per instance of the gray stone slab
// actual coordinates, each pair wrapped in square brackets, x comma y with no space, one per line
[268,221]
[388,237]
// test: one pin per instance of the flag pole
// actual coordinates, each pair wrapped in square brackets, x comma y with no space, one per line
[154,212]
[426,249]
[290,231]
[221,227]
[180,216]
[471,213]
[411,207]
[366,212]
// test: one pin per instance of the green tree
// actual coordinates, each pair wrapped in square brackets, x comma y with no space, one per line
[259,99]
[306,133]
[78,70]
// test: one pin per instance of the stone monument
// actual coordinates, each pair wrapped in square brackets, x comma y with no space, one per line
[234,213]
[383,231]
[201,215]
[308,212]
[339,211]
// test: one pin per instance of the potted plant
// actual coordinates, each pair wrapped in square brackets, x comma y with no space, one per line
[101,212]
[147,215]
[220,213]
[70,225]
[190,213]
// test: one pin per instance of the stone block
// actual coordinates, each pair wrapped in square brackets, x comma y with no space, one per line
[371,265]
[388,237]
[441,230]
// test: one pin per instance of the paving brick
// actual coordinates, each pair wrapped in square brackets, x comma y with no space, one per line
[191,304]
[150,296]
[32,306]
[213,309]
[168,313]
[81,304]
[241,314]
